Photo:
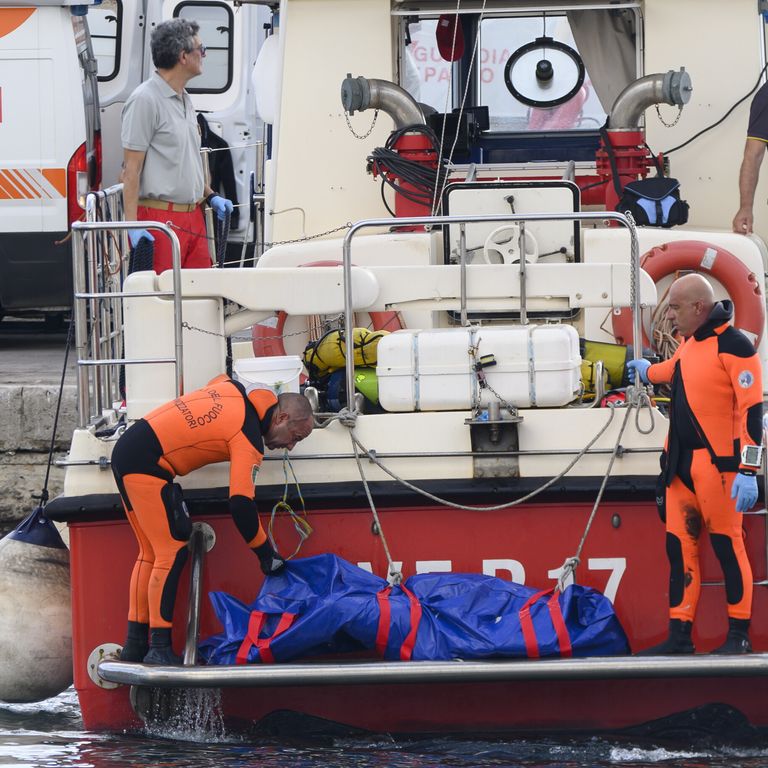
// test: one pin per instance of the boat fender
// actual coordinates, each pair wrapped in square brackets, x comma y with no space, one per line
[742,285]
[35,613]
[268,336]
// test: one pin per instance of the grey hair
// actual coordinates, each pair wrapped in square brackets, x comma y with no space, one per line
[170,38]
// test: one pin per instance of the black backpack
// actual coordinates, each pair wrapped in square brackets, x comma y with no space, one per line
[653,202]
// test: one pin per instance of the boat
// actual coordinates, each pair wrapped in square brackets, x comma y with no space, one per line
[501,442]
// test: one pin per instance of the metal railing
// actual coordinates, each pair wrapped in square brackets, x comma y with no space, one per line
[436,221]
[100,267]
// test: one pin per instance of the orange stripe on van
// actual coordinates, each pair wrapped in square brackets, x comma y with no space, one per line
[19,178]
[32,183]
[10,192]
[58,178]
[13,18]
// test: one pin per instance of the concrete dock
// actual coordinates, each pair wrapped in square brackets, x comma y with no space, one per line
[31,363]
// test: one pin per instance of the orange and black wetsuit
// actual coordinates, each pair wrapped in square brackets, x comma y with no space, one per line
[216,423]
[716,409]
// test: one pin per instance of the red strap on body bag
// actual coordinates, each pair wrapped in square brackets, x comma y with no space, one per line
[252,639]
[529,633]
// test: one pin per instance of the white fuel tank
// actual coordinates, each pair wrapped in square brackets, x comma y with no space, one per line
[434,370]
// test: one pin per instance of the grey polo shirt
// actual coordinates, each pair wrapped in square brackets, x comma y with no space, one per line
[158,121]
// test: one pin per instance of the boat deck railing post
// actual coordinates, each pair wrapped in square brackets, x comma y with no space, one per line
[197,546]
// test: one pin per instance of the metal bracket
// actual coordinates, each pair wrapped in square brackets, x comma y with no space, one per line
[104,652]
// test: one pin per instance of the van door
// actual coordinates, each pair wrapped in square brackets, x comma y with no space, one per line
[49,150]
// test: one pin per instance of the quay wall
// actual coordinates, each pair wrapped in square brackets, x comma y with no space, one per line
[27,414]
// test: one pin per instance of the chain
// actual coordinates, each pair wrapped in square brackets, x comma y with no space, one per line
[482,380]
[309,237]
[189,327]
[370,130]
[512,410]
[664,122]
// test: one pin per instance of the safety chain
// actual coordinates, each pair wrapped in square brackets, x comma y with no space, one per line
[664,122]
[482,380]
[185,324]
[276,242]
[370,130]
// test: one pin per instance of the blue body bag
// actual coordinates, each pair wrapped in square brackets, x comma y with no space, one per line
[324,604]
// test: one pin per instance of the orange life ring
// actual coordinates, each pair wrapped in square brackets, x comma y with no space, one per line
[267,340]
[742,285]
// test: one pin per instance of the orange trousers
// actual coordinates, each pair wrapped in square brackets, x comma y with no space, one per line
[708,506]
[161,557]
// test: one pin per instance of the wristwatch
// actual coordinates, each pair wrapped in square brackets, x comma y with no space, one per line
[752,456]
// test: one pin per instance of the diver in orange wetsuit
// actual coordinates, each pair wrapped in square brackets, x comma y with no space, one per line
[223,421]
[711,458]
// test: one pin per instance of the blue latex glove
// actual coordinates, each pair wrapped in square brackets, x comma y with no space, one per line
[744,490]
[641,366]
[221,205]
[134,235]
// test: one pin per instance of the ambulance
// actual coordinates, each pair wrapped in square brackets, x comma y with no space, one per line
[50,149]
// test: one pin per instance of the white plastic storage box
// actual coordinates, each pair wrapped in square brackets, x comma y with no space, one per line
[432,370]
[280,374]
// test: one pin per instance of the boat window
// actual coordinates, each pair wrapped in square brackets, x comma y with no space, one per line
[216,25]
[524,86]
[105,23]
[510,50]
[427,76]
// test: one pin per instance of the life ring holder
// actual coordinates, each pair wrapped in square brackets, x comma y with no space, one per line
[267,340]
[741,284]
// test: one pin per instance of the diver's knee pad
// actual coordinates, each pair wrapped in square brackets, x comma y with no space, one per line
[179,522]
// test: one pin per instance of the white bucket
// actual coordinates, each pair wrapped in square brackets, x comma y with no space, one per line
[280,374]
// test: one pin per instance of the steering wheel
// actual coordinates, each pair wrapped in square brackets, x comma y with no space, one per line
[502,246]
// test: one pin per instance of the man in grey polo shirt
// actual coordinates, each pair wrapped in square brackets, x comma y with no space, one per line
[162,166]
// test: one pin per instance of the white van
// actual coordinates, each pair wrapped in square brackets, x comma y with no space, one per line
[50,153]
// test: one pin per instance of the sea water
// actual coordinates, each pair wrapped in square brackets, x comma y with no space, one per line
[50,735]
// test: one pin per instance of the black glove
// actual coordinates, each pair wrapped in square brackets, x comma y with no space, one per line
[271,562]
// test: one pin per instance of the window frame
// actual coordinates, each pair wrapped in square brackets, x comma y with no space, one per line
[230,47]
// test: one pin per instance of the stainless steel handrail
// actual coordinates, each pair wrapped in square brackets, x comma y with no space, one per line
[415,221]
[89,331]
[368,673]
[197,551]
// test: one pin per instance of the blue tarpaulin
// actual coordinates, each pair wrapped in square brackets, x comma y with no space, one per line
[324,604]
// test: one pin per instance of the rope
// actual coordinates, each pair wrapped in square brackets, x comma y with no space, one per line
[439,197]
[299,519]
[395,575]
[571,563]
[43,497]
[372,456]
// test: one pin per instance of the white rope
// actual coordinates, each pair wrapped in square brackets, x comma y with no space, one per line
[445,502]
[461,108]
[396,576]
[571,563]
[448,94]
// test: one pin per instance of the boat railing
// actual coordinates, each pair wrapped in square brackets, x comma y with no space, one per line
[100,269]
[462,221]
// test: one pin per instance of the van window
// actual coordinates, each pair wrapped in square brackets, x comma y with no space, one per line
[105,24]
[216,24]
